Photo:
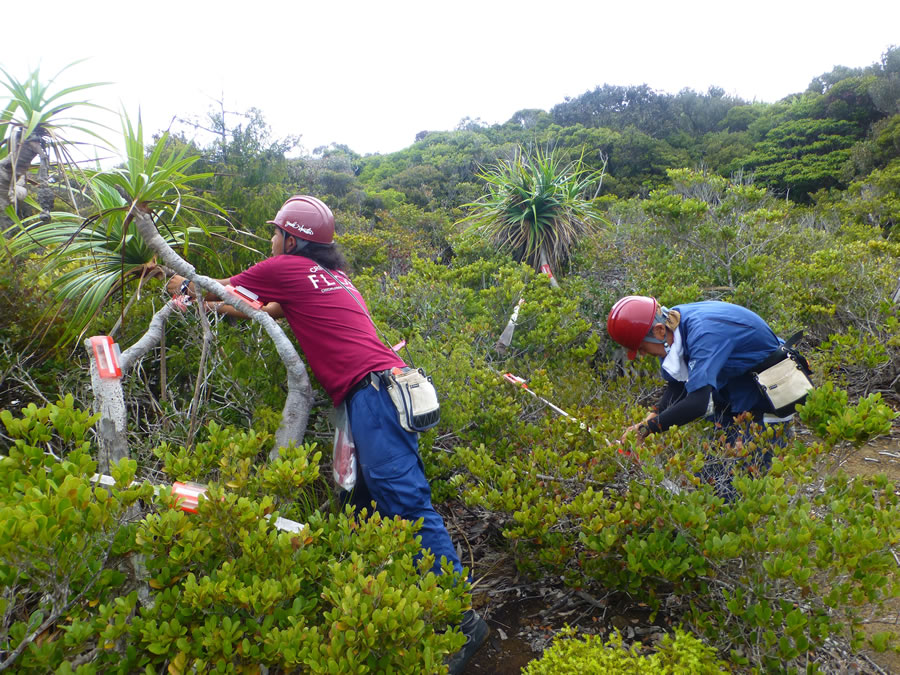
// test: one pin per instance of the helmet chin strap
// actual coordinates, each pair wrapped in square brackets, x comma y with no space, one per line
[655,340]
[662,317]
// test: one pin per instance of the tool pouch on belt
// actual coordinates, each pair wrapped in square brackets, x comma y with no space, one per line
[783,379]
[415,398]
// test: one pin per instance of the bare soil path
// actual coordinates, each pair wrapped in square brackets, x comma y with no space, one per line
[881,456]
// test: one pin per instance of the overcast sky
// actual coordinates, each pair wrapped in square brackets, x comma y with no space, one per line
[372,74]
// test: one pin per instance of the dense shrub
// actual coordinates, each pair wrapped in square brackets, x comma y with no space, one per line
[93,581]
[799,556]
[113,579]
[591,656]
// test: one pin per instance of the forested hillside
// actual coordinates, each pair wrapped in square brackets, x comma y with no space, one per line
[788,208]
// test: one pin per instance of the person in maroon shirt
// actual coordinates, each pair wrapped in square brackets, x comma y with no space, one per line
[305,282]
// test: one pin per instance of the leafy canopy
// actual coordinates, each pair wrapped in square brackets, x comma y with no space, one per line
[91,258]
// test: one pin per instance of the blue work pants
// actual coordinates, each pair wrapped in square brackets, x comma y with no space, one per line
[391,471]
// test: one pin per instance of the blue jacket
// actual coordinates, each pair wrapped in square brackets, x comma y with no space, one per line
[722,342]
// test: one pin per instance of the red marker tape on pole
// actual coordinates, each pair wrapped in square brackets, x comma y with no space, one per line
[106,355]
[515,379]
[520,382]
[188,495]
[632,454]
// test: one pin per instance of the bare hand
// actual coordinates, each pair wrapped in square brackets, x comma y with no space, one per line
[633,429]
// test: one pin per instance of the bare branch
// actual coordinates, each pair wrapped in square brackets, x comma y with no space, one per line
[109,399]
[148,340]
[299,397]
[204,356]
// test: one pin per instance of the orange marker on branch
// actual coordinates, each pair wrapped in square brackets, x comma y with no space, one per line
[249,297]
[188,495]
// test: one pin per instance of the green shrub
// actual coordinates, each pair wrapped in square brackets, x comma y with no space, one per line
[797,558]
[569,655]
[65,542]
[91,582]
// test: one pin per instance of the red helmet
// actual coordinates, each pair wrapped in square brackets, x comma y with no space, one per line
[306,218]
[629,321]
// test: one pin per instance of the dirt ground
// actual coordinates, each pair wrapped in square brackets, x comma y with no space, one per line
[525,614]
[881,456]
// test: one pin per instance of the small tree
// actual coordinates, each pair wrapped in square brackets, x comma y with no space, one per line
[33,123]
[121,242]
[537,207]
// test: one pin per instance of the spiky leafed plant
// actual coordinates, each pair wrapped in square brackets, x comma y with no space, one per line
[91,263]
[90,259]
[537,206]
[35,121]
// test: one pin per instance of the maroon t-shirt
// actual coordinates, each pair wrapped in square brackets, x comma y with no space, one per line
[334,332]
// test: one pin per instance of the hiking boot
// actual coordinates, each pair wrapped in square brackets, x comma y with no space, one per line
[476,631]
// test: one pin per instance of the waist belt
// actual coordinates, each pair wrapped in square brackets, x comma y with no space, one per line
[373,378]
[362,384]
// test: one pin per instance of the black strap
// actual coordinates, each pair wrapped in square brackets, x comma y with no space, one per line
[359,386]
[783,352]
[794,339]
[777,356]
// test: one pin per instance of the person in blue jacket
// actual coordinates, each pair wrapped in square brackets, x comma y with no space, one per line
[708,352]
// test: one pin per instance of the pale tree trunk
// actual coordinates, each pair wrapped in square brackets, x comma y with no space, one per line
[299,397]
[110,403]
[109,399]
[12,168]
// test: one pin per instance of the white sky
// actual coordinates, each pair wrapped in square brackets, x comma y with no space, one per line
[373,74]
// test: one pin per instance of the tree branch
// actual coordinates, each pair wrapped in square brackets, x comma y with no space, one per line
[204,356]
[299,397]
[109,400]
[149,339]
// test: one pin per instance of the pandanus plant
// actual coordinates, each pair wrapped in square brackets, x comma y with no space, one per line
[91,259]
[141,212]
[536,206]
[36,121]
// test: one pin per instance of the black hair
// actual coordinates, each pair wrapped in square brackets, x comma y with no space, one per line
[328,256]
